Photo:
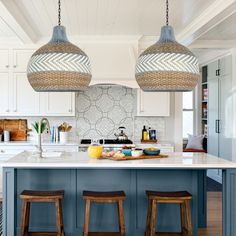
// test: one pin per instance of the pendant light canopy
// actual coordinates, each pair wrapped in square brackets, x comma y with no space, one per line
[167,65]
[59,65]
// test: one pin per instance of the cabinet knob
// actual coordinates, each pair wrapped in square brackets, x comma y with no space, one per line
[2,151]
[14,66]
[7,110]
[15,110]
[7,66]
[70,110]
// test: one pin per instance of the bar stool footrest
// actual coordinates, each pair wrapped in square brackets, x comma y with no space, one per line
[104,234]
[43,234]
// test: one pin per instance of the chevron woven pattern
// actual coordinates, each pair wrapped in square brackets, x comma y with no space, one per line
[167,62]
[59,62]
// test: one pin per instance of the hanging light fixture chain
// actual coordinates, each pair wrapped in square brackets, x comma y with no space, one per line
[59,12]
[167,12]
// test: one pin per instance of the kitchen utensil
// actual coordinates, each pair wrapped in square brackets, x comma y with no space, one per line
[153,152]
[63,137]
[18,128]
[7,135]
[129,158]
[121,136]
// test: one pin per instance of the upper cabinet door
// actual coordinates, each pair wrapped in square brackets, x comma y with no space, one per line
[26,100]
[60,103]
[4,95]
[225,66]
[21,58]
[212,69]
[153,103]
[4,59]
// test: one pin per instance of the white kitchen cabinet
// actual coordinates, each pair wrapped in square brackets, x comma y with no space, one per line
[4,94]
[153,103]
[4,60]
[21,58]
[26,100]
[62,104]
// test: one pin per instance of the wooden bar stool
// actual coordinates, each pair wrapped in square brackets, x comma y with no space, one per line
[183,198]
[104,197]
[29,196]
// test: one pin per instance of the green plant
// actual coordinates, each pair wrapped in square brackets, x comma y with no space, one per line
[36,126]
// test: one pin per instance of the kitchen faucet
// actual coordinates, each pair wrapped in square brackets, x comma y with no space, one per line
[40,135]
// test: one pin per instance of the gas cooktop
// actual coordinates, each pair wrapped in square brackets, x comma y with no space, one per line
[107,141]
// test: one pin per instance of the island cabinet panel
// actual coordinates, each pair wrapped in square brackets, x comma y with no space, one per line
[103,217]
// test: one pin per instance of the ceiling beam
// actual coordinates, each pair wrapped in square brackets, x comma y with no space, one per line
[213,44]
[16,21]
[209,18]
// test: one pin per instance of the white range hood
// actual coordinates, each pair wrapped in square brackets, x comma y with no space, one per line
[113,62]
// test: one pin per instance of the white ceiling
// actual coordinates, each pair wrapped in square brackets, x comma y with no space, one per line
[199,23]
[225,30]
[109,17]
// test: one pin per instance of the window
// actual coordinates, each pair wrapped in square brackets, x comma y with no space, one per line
[188,113]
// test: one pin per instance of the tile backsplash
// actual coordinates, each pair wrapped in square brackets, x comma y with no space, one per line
[100,110]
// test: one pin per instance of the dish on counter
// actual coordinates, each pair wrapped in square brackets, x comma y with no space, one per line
[137,152]
[127,150]
[151,151]
[118,154]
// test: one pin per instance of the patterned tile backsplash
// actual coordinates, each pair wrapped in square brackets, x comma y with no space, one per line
[102,109]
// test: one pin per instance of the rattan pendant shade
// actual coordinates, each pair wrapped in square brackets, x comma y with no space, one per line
[59,66]
[167,65]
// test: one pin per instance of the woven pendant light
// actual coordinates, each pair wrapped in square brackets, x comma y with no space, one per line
[167,65]
[59,66]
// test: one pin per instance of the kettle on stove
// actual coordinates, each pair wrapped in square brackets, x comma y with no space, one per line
[121,136]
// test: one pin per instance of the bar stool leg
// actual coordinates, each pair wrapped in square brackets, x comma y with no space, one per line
[188,216]
[24,231]
[149,212]
[183,223]
[86,217]
[59,220]
[153,218]
[121,217]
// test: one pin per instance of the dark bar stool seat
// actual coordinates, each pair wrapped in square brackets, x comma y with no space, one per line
[182,197]
[117,197]
[29,196]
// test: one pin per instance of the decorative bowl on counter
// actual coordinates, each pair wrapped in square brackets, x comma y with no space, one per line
[127,152]
[137,152]
[151,151]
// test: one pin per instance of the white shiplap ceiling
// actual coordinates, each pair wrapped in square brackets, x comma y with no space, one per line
[109,17]
[191,19]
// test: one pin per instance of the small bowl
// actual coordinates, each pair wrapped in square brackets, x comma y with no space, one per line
[127,152]
[137,153]
[148,152]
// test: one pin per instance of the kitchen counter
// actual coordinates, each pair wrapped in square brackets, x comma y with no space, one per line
[82,160]
[75,171]
[32,143]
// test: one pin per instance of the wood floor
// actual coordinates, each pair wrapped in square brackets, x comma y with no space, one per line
[214,219]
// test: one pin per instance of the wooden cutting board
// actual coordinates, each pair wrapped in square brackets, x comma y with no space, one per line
[17,127]
[129,158]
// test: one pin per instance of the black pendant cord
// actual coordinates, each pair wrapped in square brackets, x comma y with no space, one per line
[167,12]
[59,12]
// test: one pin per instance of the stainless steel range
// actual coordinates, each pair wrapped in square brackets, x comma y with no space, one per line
[108,144]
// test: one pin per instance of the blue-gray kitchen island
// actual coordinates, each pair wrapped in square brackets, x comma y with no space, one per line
[75,172]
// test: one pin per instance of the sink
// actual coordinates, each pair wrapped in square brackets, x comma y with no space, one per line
[51,154]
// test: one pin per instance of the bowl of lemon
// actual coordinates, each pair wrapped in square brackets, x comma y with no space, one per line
[152,151]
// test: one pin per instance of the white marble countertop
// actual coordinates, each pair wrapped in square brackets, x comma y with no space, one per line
[82,160]
[29,143]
